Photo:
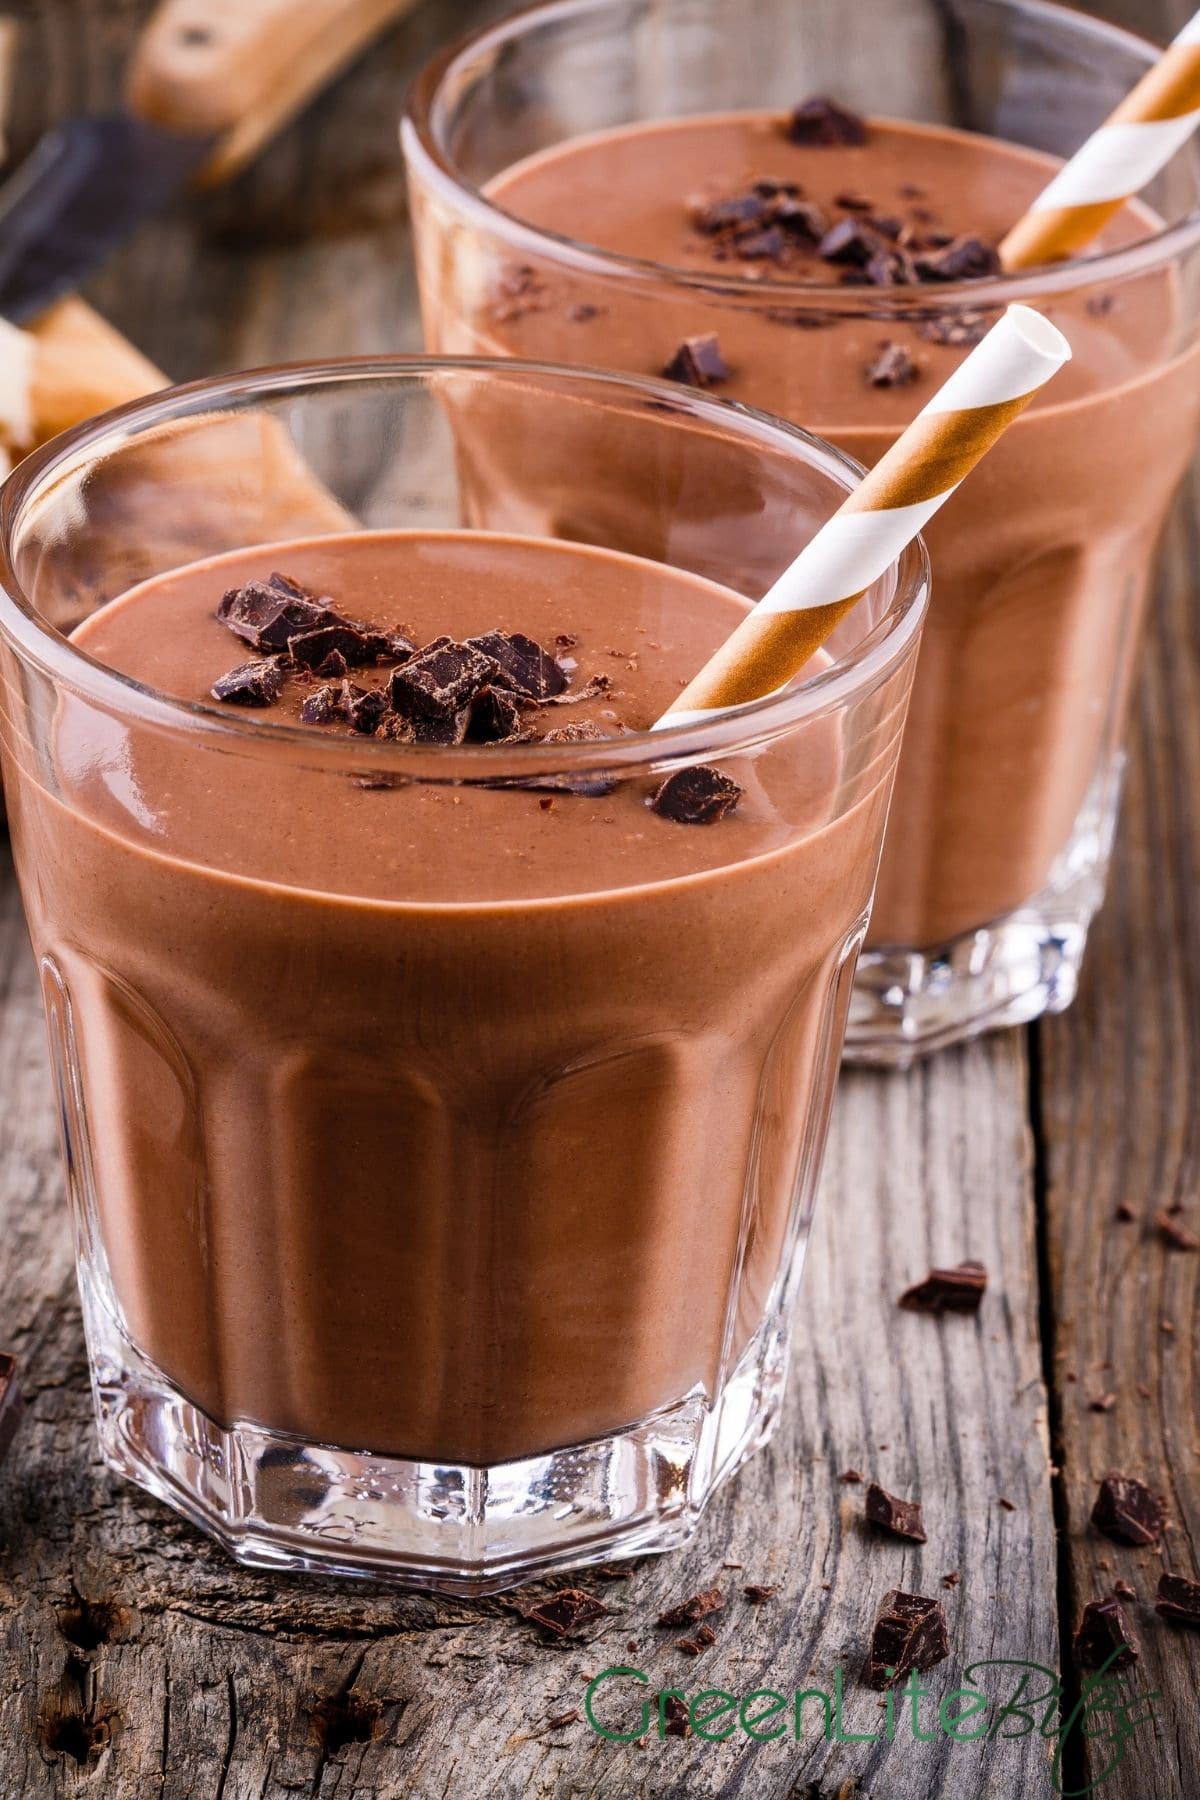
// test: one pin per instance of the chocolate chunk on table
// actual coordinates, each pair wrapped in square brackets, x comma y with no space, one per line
[1127,1511]
[820,123]
[1103,1638]
[696,796]
[901,1517]
[251,684]
[910,1633]
[947,1290]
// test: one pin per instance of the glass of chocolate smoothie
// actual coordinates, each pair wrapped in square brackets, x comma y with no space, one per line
[667,187]
[444,1058]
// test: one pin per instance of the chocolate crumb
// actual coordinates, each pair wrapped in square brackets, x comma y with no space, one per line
[910,1633]
[521,664]
[705,1635]
[1143,1391]
[565,1612]
[820,123]
[566,640]
[250,684]
[758,1593]
[708,1600]
[1178,1600]
[947,1290]
[1102,1636]
[674,1715]
[698,362]
[1177,1236]
[901,1517]
[696,796]
[892,367]
[11,1400]
[1127,1511]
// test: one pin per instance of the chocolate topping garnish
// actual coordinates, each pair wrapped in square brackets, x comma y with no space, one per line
[910,1633]
[696,796]
[698,362]
[440,679]
[1127,1511]
[250,684]
[11,1400]
[892,367]
[1102,1630]
[268,613]
[1178,1600]
[901,1517]
[310,649]
[708,1600]
[566,1611]
[947,1290]
[821,123]
[521,664]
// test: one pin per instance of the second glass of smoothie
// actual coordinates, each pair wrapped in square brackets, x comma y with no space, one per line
[662,188]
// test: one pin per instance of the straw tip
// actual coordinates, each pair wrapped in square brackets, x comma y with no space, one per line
[1042,338]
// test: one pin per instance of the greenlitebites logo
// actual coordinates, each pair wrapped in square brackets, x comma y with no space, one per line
[1000,1697]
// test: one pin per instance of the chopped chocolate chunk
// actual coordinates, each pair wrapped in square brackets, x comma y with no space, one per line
[309,649]
[521,664]
[712,216]
[363,707]
[1103,1638]
[957,329]
[674,1715]
[11,1400]
[1176,1235]
[321,707]
[334,666]
[758,1593]
[851,1475]
[947,1290]
[696,796]
[440,679]
[1178,1600]
[250,684]
[708,1600]
[494,717]
[1127,1511]
[391,646]
[1102,1403]
[820,123]
[963,259]
[849,241]
[892,367]
[267,613]
[910,1633]
[901,1517]
[565,1612]
[698,362]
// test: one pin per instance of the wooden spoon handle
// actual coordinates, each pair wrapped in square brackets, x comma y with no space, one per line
[237,70]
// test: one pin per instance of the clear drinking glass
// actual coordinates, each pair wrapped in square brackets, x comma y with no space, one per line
[1007,794]
[437,1216]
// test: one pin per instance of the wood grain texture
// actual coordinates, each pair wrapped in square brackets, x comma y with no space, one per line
[138,1661]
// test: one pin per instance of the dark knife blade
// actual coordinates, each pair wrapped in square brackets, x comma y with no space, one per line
[84,188]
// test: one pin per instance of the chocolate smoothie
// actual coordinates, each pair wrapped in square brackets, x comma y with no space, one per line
[1041,564]
[446,1120]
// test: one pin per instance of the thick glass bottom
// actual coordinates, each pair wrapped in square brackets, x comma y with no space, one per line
[908,1003]
[277,1501]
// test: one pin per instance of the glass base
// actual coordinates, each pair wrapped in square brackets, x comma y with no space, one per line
[281,1502]
[908,1003]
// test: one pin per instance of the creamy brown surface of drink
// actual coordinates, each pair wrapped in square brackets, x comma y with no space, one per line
[1041,563]
[454,1122]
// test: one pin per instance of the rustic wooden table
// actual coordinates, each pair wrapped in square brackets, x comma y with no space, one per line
[138,1661]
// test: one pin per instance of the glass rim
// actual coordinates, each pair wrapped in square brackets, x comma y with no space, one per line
[421,148]
[38,643]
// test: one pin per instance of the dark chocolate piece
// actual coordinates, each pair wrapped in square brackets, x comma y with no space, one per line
[1127,1511]
[708,1600]
[1178,1600]
[267,613]
[696,796]
[250,684]
[820,123]
[698,362]
[12,1403]
[566,1612]
[521,664]
[440,679]
[901,1517]
[494,717]
[849,241]
[910,1633]
[309,649]
[1174,1232]
[758,1593]
[963,259]
[321,707]
[959,329]
[363,707]
[1103,1638]
[947,1290]
[892,367]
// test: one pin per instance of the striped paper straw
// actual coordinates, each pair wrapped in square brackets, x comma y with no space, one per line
[1127,151]
[874,523]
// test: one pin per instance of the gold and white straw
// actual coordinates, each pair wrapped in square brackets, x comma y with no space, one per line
[884,514]
[1153,121]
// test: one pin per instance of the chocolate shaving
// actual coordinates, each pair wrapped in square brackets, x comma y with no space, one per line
[1178,1600]
[947,1290]
[12,1403]
[820,123]
[1103,1638]
[901,1517]
[521,664]
[696,796]
[250,684]
[708,1600]
[1127,1511]
[703,1638]
[565,1612]
[698,362]
[440,679]
[910,1633]
[1176,1235]
[892,367]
